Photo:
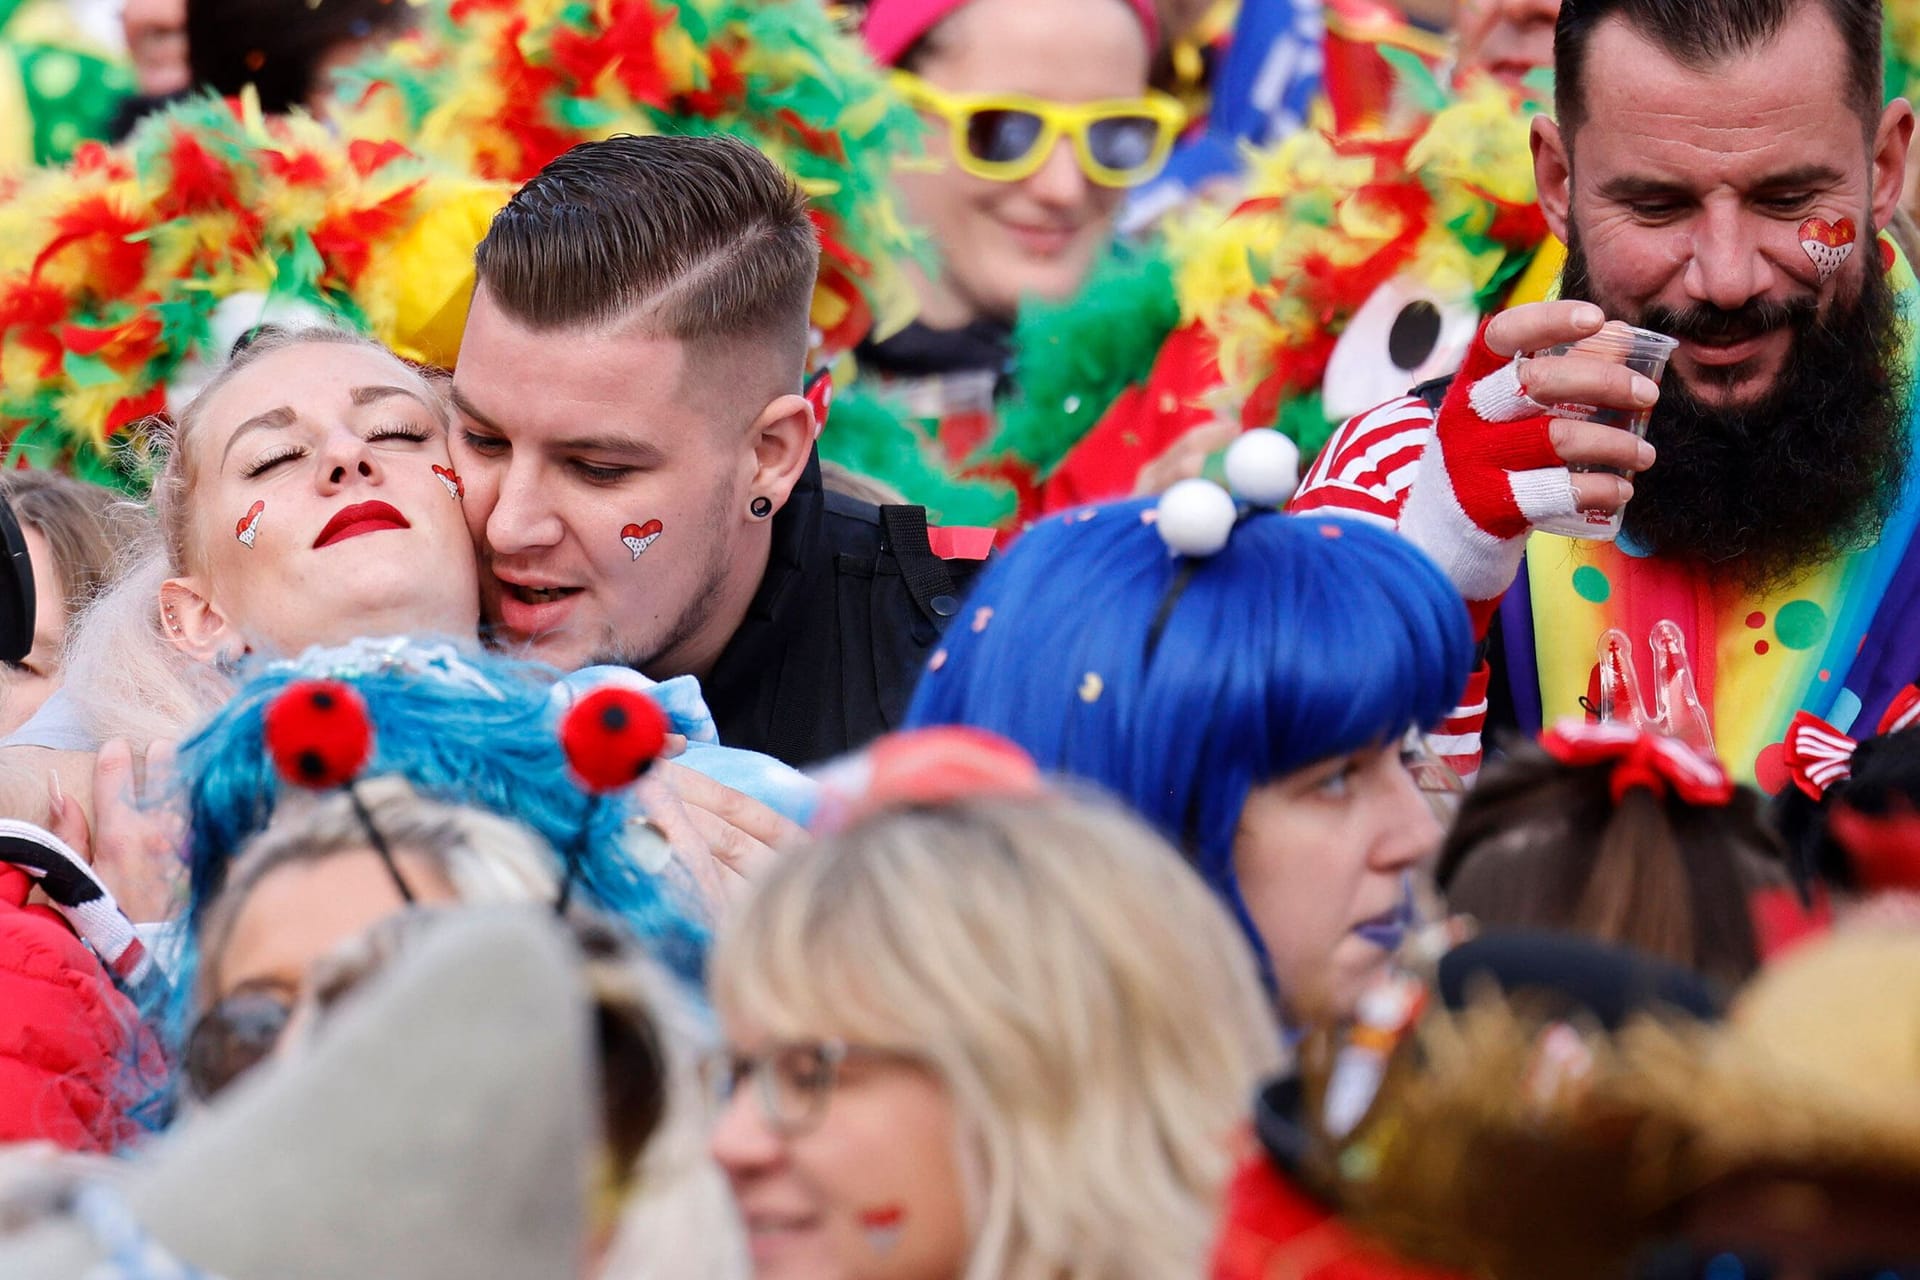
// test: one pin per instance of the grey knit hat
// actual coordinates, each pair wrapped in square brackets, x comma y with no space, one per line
[438,1127]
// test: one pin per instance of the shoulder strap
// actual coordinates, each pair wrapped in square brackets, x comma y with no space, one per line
[1433,391]
[928,581]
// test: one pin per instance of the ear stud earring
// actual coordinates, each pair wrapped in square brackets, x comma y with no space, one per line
[761,507]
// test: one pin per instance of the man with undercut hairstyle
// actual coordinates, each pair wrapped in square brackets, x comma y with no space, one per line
[638,453]
[1723,172]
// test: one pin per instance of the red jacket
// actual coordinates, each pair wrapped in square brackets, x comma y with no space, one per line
[73,1056]
[1274,1229]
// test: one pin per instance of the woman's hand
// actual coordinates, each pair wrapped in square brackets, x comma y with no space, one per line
[132,844]
[723,837]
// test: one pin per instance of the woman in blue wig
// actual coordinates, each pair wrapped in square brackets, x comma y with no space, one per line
[1248,681]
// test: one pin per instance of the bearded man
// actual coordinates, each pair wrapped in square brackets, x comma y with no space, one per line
[1721,171]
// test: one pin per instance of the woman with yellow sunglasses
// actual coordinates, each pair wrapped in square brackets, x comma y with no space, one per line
[1039,119]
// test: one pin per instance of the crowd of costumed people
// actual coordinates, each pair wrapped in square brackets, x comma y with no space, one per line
[959,639]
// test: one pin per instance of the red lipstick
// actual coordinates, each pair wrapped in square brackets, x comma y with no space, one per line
[361,517]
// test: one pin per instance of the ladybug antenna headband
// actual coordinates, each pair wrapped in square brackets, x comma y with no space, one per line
[611,736]
[1196,517]
[320,736]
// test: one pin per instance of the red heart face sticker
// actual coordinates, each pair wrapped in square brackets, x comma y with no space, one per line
[248,526]
[1827,245]
[638,537]
[451,480]
[1833,234]
[883,1227]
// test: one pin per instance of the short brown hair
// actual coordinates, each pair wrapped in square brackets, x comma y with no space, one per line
[86,527]
[1699,33]
[706,235]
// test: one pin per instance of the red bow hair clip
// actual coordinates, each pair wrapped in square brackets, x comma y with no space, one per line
[1665,766]
[1819,756]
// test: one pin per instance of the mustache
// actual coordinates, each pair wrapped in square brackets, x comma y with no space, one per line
[1718,326]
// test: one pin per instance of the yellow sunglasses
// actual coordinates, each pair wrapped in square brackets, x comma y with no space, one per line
[1006,137]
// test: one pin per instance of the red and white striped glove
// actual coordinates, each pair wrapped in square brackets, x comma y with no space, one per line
[1489,474]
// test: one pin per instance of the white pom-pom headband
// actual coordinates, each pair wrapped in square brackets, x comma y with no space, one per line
[1196,518]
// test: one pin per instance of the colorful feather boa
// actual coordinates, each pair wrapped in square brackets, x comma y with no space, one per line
[1267,286]
[112,267]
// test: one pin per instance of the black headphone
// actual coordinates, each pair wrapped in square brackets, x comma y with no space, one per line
[16,588]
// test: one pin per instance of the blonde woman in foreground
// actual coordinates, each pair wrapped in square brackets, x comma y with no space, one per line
[997,1040]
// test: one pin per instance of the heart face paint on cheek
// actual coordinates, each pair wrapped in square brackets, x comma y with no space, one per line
[248,527]
[1829,244]
[882,1227]
[456,488]
[639,537]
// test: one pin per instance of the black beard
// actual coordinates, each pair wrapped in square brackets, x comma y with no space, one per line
[1809,471]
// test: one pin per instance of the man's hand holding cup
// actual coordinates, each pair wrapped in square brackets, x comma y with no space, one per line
[1541,429]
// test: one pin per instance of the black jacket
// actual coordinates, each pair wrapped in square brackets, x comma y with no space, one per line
[851,605]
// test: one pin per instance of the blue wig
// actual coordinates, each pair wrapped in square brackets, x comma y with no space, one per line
[463,729]
[1305,638]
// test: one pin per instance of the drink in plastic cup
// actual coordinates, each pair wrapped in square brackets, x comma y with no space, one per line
[1641,350]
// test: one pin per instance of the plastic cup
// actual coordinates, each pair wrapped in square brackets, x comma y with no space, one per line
[1641,350]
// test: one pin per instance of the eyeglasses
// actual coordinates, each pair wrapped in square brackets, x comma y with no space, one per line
[232,1038]
[793,1082]
[1439,785]
[1007,137]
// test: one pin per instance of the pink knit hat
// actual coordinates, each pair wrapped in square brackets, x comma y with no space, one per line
[892,26]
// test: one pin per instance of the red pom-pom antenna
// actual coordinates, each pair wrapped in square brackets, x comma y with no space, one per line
[611,736]
[319,733]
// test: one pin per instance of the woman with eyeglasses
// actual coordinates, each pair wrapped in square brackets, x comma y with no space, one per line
[1260,704]
[311,883]
[1038,121]
[998,1039]
[313,908]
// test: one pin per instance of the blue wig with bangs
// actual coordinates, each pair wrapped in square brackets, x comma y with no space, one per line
[461,728]
[1303,639]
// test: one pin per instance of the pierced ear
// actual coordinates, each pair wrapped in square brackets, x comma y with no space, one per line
[195,624]
[1890,145]
[782,442]
[1552,174]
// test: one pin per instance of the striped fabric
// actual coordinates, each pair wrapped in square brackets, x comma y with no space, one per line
[1365,473]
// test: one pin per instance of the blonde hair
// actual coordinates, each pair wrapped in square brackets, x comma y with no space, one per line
[125,677]
[489,860]
[1091,1008]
